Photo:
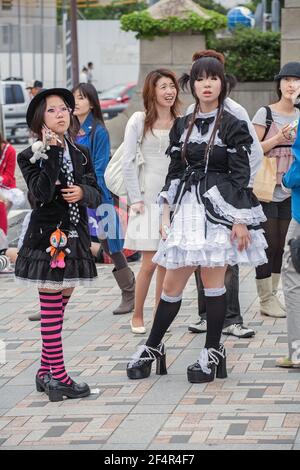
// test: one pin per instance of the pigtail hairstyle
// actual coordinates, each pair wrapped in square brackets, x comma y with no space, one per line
[206,63]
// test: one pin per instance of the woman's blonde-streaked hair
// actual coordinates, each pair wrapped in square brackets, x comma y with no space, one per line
[149,97]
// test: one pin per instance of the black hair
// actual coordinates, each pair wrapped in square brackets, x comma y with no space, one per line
[37,121]
[278,91]
[90,93]
[210,67]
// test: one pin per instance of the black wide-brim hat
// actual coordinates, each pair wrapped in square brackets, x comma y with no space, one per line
[65,94]
[291,69]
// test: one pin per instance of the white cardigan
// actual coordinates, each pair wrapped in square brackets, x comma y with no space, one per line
[133,135]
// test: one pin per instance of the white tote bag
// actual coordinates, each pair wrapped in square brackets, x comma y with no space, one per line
[113,175]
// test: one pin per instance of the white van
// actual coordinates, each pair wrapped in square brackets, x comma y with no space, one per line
[15,99]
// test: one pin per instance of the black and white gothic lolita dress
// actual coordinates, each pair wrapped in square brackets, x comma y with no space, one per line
[207,202]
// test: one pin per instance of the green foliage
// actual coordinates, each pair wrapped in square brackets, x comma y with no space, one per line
[114,11]
[212,5]
[250,54]
[147,27]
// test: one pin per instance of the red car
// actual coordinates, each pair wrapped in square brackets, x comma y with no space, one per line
[114,100]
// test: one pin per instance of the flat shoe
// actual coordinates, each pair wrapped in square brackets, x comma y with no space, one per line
[138,330]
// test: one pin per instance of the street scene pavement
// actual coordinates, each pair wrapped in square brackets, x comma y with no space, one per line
[256,407]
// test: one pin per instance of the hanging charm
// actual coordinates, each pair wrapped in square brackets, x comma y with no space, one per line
[58,250]
[39,151]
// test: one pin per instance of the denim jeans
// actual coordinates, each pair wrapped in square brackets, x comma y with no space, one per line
[233,312]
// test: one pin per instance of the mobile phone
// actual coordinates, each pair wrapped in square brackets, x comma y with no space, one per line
[293,129]
[51,133]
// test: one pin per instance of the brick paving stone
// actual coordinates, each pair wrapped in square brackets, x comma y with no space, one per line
[256,407]
[56,431]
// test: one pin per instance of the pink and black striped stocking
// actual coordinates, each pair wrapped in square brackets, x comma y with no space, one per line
[52,309]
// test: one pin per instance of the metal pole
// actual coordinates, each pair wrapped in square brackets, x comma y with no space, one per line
[34,36]
[20,39]
[55,54]
[275,15]
[42,40]
[264,8]
[75,68]
[10,30]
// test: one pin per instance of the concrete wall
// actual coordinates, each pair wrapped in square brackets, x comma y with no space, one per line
[253,95]
[290,29]
[115,53]
[175,53]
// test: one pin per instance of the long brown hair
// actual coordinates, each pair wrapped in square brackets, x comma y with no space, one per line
[209,63]
[149,97]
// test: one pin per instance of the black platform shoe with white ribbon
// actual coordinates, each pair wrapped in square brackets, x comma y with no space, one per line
[211,362]
[141,362]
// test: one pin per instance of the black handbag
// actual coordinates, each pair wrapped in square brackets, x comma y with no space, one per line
[295,253]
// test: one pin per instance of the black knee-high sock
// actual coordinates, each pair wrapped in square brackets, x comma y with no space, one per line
[165,314]
[216,310]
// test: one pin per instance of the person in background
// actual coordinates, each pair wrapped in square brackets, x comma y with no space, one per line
[93,134]
[83,77]
[7,180]
[90,68]
[12,253]
[148,130]
[291,276]
[35,88]
[277,143]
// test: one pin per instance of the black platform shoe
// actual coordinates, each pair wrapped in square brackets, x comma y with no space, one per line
[56,390]
[210,362]
[140,365]
[42,382]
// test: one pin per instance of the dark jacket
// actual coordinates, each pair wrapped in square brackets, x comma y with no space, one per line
[52,209]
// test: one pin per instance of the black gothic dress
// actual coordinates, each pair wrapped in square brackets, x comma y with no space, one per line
[208,197]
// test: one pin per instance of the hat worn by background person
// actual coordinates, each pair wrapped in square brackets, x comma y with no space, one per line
[35,84]
[291,69]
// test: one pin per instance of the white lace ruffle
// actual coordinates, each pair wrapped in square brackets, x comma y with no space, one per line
[137,355]
[216,250]
[203,361]
[169,195]
[197,137]
[253,216]
[65,284]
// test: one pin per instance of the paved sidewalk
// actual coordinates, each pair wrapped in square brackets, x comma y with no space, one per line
[257,407]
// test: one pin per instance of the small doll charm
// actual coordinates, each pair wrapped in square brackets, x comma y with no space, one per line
[58,250]
[39,151]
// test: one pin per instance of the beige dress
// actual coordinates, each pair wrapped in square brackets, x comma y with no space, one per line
[143,229]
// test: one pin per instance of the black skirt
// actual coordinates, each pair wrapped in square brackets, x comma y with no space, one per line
[33,268]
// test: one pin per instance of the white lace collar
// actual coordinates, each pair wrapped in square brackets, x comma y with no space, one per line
[197,137]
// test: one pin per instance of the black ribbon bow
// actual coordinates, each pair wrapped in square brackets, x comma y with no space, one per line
[203,124]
